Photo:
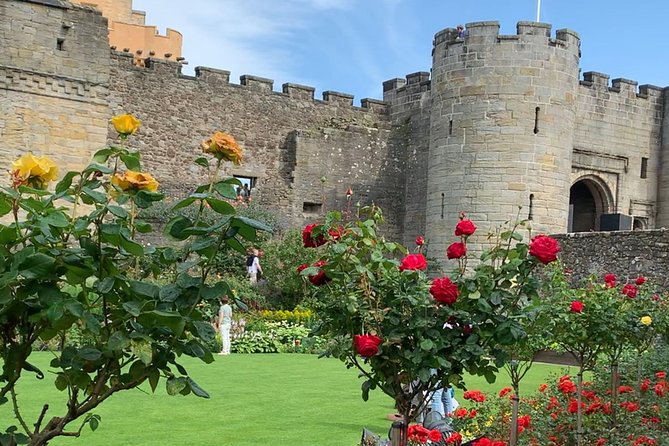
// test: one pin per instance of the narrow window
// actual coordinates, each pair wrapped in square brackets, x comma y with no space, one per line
[536,120]
[442,205]
[644,167]
[59,44]
[450,127]
[530,215]
[311,208]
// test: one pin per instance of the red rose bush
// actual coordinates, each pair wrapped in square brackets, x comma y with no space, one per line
[388,319]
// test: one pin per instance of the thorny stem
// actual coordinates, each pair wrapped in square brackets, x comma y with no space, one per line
[15,404]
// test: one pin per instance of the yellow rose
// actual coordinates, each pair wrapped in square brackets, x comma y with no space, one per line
[34,171]
[223,146]
[131,180]
[646,320]
[125,124]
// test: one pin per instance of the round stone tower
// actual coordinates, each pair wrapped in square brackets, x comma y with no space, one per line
[501,130]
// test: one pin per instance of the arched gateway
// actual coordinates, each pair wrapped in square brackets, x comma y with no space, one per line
[589,198]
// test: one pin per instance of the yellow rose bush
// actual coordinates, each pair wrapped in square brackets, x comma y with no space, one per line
[60,268]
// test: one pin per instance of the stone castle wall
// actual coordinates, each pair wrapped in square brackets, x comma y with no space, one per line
[627,254]
[291,140]
[616,126]
[54,81]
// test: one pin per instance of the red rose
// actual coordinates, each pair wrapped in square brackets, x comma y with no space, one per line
[320,278]
[454,438]
[444,290]
[660,375]
[366,345]
[434,436]
[307,238]
[413,262]
[610,280]
[465,228]
[504,391]
[544,248]
[456,250]
[630,290]
[474,395]
[524,421]
[302,267]
[336,233]
[640,280]
[420,240]
[576,306]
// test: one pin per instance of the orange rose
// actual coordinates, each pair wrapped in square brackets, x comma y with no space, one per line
[223,146]
[131,180]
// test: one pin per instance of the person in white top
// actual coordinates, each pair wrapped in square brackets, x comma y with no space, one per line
[224,324]
[253,266]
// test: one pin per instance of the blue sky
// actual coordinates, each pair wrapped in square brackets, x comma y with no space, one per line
[352,46]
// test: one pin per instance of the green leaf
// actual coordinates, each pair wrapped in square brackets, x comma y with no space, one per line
[89,353]
[131,246]
[65,183]
[154,377]
[143,227]
[105,285]
[197,390]
[118,341]
[131,160]
[37,266]
[144,289]
[5,204]
[174,385]
[220,206]
[142,349]
[96,196]
[56,219]
[169,293]
[133,307]
[94,422]
[74,308]
[475,295]
[213,292]
[118,211]
[183,203]
[202,161]
[427,344]
[176,227]
[101,156]
[226,190]
[253,223]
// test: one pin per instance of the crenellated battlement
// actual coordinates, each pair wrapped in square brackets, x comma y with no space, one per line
[482,33]
[413,84]
[217,78]
[626,87]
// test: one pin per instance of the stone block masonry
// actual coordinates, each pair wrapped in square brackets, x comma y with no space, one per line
[290,140]
[54,74]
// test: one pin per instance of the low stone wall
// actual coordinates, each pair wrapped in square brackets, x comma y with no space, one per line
[624,253]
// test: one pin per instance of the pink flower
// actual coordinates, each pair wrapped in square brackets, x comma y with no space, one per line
[420,240]
[640,280]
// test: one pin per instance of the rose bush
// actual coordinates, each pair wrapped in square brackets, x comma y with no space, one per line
[429,332]
[65,265]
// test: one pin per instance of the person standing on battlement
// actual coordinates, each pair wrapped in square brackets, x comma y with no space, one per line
[461,32]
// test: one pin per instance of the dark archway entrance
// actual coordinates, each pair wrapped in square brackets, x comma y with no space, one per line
[589,198]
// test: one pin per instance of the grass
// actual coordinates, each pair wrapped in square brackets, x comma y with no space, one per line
[277,399]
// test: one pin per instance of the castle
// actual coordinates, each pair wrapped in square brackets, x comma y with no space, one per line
[499,123]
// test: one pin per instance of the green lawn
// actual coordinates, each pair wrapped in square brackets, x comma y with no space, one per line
[274,399]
